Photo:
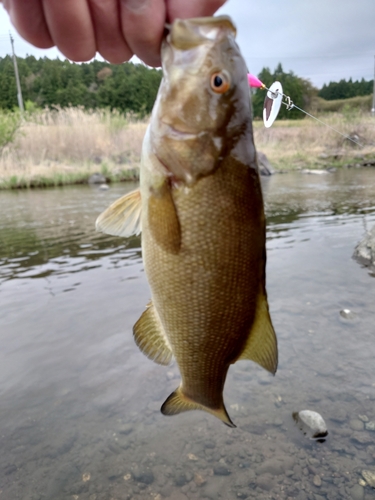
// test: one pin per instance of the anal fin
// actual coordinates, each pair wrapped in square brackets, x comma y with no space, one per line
[177,403]
[150,337]
[261,345]
[123,217]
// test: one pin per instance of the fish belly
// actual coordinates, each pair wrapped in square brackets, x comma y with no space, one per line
[206,293]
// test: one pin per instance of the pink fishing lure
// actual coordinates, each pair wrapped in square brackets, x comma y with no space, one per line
[254,81]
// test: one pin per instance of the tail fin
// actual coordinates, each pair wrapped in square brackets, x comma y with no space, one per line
[177,402]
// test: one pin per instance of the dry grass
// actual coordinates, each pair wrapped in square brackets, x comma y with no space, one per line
[73,143]
[307,143]
[67,145]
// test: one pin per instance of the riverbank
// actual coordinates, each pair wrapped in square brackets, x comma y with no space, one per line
[66,146]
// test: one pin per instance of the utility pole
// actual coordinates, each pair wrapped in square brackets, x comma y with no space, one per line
[19,91]
[373,94]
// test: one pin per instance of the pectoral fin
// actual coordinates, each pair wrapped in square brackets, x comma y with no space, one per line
[163,219]
[123,217]
[150,337]
[261,345]
[177,403]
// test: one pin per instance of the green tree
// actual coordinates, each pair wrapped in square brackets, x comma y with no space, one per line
[47,82]
[345,89]
[8,89]
[300,91]
[9,124]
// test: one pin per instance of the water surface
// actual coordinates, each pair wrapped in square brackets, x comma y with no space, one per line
[79,404]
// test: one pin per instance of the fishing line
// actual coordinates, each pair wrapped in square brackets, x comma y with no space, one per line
[274,99]
[289,104]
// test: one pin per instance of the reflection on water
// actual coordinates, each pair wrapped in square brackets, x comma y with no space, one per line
[79,404]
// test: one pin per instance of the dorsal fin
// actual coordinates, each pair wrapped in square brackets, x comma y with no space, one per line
[261,345]
[123,217]
[150,337]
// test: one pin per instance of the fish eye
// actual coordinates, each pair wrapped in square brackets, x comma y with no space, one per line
[220,82]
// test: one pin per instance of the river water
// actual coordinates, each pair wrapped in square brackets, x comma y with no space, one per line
[79,404]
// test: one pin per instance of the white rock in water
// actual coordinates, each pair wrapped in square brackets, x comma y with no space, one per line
[315,172]
[369,477]
[311,424]
[347,314]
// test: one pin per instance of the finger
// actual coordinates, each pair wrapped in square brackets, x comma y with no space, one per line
[182,9]
[71,28]
[143,27]
[110,42]
[28,19]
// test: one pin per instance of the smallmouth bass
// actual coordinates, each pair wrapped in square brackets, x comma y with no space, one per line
[200,208]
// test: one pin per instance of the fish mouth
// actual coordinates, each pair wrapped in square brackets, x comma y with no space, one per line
[176,133]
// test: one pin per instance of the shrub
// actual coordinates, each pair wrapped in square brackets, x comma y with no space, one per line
[10,122]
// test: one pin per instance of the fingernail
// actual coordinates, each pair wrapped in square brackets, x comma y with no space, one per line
[135,5]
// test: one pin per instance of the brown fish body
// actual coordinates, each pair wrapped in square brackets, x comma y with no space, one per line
[206,294]
[203,227]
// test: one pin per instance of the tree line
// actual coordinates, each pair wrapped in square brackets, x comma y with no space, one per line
[346,89]
[97,84]
[132,87]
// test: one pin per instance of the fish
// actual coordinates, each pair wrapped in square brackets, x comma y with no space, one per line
[200,210]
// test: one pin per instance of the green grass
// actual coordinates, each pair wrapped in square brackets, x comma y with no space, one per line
[62,179]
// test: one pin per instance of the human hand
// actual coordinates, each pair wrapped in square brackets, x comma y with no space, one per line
[117,29]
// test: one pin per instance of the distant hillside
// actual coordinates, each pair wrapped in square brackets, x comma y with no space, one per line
[47,82]
[346,89]
[360,103]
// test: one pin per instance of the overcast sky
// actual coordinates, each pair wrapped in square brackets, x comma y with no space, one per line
[321,40]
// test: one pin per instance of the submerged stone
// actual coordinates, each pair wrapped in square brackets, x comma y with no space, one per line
[356,424]
[125,429]
[370,426]
[347,314]
[311,424]
[181,478]
[369,477]
[363,418]
[97,179]
[339,415]
[362,438]
[221,470]
[357,492]
[317,480]
[143,475]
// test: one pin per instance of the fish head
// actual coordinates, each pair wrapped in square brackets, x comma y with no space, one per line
[203,104]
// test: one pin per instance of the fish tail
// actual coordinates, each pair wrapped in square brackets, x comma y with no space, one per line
[178,402]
